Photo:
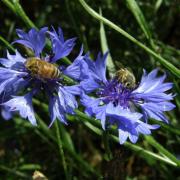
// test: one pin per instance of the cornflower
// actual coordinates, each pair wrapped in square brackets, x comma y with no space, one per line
[22,77]
[120,101]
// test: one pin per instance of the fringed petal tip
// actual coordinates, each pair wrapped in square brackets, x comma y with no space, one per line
[22,104]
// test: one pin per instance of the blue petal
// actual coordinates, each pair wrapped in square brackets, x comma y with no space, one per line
[67,100]
[100,112]
[22,34]
[91,104]
[9,73]
[151,84]
[133,138]
[154,97]
[78,69]
[60,47]
[56,110]
[145,128]
[34,39]
[162,106]
[127,131]
[155,111]
[100,64]
[98,68]
[75,89]
[23,104]
[152,74]
[11,87]
[123,135]
[89,101]
[164,87]
[124,113]
[5,113]
[26,43]
[11,81]
[13,61]
[88,85]
[59,105]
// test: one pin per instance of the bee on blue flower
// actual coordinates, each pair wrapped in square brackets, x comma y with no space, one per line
[120,101]
[31,75]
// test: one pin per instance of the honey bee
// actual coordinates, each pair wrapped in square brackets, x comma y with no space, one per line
[42,69]
[126,78]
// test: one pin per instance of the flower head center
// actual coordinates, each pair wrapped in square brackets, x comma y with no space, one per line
[115,92]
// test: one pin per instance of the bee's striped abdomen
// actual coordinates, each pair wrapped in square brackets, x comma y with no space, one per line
[42,69]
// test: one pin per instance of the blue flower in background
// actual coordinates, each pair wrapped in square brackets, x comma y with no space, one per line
[117,102]
[33,74]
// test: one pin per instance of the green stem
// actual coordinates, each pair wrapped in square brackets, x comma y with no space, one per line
[9,5]
[143,152]
[22,14]
[17,9]
[6,43]
[87,118]
[107,145]
[15,172]
[161,149]
[61,151]
[104,46]
[168,127]
[163,61]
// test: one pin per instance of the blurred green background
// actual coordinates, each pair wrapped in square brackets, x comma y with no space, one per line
[24,149]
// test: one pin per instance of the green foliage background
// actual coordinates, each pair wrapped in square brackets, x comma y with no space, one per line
[86,150]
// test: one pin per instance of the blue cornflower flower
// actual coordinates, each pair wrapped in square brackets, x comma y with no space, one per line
[117,101]
[31,75]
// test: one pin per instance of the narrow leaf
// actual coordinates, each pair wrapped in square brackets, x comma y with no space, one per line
[158,5]
[66,138]
[162,150]
[135,9]
[6,43]
[104,45]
